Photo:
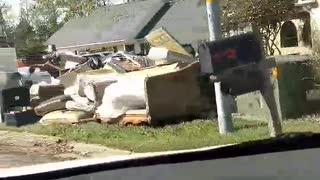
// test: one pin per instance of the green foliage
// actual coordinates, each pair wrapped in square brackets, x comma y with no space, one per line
[71,8]
[6,29]
[9,31]
[40,22]
[264,15]
[45,17]
[27,41]
[256,12]
[196,134]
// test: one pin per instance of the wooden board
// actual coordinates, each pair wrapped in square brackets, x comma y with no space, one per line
[162,38]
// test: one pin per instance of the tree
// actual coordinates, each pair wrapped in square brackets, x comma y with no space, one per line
[71,8]
[6,29]
[9,33]
[27,41]
[45,16]
[265,16]
[43,19]
[48,16]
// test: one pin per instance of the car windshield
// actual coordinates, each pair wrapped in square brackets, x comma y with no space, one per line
[103,78]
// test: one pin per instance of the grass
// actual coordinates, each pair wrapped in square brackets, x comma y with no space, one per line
[189,135]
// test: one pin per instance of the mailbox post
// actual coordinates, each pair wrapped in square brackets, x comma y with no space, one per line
[239,65]
[223,101]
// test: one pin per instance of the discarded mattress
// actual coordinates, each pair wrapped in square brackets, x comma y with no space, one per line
[84,79]
[35,101]
[80,100]
[127,94]
[72,90]
[46,91]
[64,117]
[94,90]
[75,106]
[53,104]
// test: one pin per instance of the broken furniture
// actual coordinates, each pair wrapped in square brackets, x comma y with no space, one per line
[14,100]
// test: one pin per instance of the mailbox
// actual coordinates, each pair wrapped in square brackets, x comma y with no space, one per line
[239,65]
[231,52]
[235,62]
[242,79]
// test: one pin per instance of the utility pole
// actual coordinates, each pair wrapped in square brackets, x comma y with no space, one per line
[223,101]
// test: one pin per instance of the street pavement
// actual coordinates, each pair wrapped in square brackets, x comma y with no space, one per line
[297,164]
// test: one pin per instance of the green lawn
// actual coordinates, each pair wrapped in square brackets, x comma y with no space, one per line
[194,134]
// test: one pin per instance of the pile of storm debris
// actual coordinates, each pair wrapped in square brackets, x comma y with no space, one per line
[122,87]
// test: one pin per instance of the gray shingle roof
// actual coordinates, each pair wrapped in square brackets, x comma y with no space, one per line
[118,22]
[186,22]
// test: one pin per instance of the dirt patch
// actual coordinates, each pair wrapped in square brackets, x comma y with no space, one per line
[13,156]
[21,149]
[58,147]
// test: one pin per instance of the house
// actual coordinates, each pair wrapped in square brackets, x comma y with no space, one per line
[116,27]
[124,26]
[301,34]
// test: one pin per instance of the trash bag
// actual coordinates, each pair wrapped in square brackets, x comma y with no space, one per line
[53,104]
[64,117]
[119,97]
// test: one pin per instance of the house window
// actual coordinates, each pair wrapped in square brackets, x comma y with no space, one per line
[289,35]
[130,48]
